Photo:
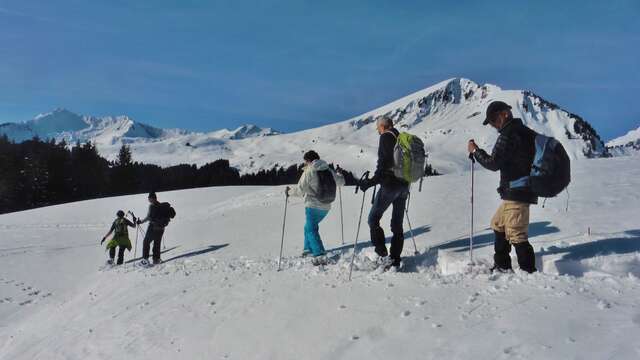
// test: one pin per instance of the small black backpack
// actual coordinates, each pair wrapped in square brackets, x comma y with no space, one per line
[326,186]
[165,213]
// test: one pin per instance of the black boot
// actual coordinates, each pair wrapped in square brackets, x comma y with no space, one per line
[501,258]
[526,257]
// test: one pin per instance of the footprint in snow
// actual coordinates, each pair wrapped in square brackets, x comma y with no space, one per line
[405,313]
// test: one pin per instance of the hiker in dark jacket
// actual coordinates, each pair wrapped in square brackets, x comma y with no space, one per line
[120,238]
[155,230]
[393,192]
[513,155]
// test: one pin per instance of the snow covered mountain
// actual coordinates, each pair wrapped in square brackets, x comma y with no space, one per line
[64,124]
[445,115]
[625,145]
[109,130]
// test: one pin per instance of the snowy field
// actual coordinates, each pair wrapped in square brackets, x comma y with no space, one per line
[218,294]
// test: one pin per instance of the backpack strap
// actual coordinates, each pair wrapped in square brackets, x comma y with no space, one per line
[392,133]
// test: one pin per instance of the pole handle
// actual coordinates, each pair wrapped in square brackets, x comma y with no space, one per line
[363,177]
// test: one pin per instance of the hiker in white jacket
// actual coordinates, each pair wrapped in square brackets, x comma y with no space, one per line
[317,186]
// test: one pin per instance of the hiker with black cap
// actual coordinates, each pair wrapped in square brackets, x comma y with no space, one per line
[513,155]
[393,192]
[120,238]
[159,215]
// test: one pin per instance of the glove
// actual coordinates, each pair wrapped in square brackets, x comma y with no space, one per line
[138,222]
[365,184]
[286,191]
[103,239]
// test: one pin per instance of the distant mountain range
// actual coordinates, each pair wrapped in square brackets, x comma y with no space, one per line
[109,130]
[445,115]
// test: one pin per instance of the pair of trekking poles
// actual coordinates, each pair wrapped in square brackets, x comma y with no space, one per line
[138,232]
[373,197]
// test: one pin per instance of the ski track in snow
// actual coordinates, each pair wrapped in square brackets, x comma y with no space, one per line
[218,294]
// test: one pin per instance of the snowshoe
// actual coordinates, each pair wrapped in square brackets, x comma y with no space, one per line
[384,262]
[319,260]
[107,265]
[395,266]
[495,269]
[145,263]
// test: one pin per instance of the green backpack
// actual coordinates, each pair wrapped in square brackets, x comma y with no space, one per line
[120,228]
[409,157]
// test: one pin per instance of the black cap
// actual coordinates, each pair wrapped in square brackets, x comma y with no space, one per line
[152,195]
[120,213]
[310,156]
[494,108]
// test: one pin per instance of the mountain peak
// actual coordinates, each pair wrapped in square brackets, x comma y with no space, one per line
[626,144]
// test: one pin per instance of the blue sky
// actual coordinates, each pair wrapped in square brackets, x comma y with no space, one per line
[292,65]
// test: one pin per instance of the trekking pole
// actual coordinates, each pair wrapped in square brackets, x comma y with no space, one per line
[473,162]
[341,215]
[284,222]
[135,249]
[406,210]
[355,244]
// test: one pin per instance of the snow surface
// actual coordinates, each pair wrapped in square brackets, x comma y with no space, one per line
[218,294]
[444,115]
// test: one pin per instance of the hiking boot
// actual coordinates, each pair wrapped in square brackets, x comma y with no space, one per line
[157,261]
[145,263]
[526,257]
[110,262]
[384,262]
[319,260]
[500,270]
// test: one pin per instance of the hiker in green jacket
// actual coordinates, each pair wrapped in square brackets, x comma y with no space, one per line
[120,238]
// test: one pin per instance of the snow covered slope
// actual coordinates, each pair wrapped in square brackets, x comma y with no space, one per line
[445,115]
[628,144]
[218,294]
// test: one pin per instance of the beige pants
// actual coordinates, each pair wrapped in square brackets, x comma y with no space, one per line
[512,218]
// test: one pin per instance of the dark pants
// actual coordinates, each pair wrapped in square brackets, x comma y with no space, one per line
[502,257]
[153,235]
[112,254]
[395,196]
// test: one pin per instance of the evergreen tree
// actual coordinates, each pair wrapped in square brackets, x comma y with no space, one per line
[123,174]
